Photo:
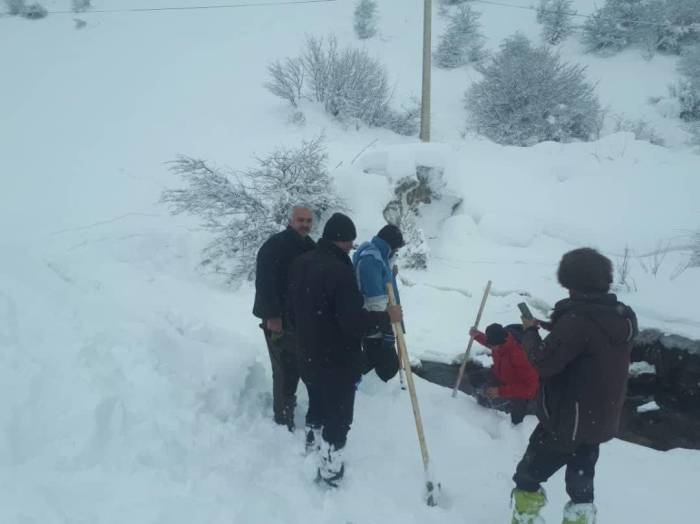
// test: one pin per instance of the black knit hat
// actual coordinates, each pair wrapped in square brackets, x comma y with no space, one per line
[585,270]
[339,228]
[392,236]
[496,335]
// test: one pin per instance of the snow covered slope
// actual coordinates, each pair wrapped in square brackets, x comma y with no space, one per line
[137,390]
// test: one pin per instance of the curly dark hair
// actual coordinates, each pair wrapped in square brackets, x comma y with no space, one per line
[585,270]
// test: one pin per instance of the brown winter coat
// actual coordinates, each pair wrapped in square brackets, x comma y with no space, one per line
[583,365]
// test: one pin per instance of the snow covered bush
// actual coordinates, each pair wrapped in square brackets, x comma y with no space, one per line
[20,8]
[695,250]
[15,7]
[411,193]
[35,11]
[404,121]
[681,24]
[242,209]
[80,6]
[694,129]
[527,95]
[641,129]
[365,19]
[657,25]
[414,255]
[349,84]
[462,43]
[287,79]
[687,90]
[556,19]
[614,26]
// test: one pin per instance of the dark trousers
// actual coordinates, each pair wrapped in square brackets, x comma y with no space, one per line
[285,375]
[381,356]
[546,454]
[331,403]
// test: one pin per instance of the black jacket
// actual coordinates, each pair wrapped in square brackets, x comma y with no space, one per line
[272,271]
[583,365]
[326,310]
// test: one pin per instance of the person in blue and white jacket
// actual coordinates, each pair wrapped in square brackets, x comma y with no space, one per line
[374,270]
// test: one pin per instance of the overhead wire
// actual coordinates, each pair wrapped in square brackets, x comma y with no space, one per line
[193,7]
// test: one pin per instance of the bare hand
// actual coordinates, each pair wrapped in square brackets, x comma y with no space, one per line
[274,324]
[395,313]
[473,332]
[491,392]
[529,322]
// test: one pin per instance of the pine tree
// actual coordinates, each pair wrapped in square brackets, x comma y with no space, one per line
[366,19]
[462,43]
[556,19]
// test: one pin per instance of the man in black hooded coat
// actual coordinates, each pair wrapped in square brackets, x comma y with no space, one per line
[326,310]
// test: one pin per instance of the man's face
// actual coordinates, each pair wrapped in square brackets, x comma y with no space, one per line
[345,245]
[302,221]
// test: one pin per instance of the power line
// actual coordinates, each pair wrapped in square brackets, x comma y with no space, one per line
[570,13]
[192,8]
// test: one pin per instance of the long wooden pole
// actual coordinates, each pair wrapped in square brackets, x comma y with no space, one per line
[471,340]
[402,382]
[430,485]
[427,54]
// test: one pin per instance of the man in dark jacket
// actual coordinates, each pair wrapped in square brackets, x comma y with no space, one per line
[325,308]
[583,365]
[271,278]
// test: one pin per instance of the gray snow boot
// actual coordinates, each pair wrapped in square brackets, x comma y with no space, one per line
[579,513]
[313,439]
[331,466]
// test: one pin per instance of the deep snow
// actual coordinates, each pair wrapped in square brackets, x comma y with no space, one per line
[136,388]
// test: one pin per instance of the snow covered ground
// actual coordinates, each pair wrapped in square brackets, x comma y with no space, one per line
[136,389]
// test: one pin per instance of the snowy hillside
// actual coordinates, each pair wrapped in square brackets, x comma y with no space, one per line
[136,388]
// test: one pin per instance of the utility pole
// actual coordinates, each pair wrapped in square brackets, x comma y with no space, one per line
[425,90]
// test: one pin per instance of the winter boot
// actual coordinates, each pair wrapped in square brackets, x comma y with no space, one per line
[527,506]
[579,513]
[313,439]
[331,467]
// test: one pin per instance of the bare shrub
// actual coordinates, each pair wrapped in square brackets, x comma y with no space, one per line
[242,209]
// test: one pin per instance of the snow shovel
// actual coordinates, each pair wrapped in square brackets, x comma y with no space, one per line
[432,488]
[471,340]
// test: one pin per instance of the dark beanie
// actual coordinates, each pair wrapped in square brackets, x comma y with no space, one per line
[585,270]
[392,236]
[339,228]
[496,335]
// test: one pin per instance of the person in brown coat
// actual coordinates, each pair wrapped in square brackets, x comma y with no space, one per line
[583,366]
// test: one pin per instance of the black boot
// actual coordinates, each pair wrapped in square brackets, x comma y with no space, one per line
[286,417]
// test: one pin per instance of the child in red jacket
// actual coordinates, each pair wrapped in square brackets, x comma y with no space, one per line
[516,381]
